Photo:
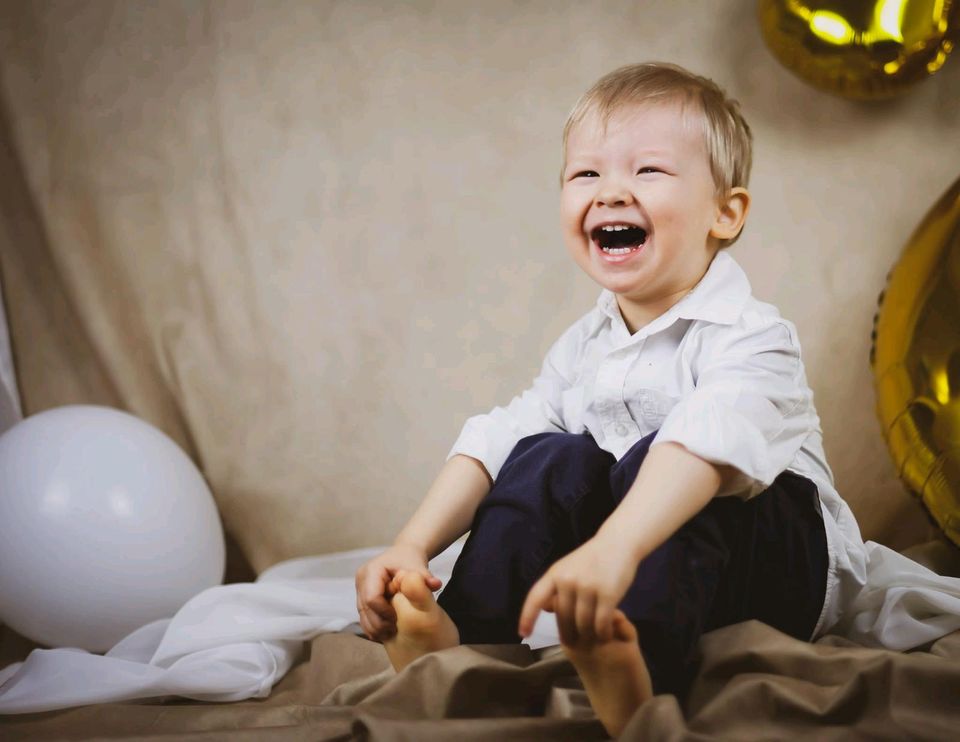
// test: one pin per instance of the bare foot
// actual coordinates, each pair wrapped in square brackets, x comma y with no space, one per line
[422,625]
[614,674]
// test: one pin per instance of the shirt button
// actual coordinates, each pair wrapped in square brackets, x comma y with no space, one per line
[621,429]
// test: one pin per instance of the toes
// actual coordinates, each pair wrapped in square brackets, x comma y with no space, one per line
[415,589]
[393,587]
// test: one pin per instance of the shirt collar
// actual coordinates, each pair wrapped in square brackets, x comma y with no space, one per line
[719,297]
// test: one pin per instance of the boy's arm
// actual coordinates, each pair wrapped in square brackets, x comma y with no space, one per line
[447,511]
[445,514]
[473,462]
[671,487]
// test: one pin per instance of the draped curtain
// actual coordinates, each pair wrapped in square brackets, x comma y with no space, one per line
[309,239]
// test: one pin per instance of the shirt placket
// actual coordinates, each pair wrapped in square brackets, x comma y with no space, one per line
[618,426]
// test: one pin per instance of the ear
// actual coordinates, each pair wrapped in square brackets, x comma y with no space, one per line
[731,214]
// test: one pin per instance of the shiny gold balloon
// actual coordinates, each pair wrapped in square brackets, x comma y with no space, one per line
[862,49]
[916,363]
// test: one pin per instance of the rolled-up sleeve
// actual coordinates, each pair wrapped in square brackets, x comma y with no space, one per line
[491,437]
[751,408]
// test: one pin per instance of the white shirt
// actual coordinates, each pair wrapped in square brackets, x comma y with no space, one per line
[719,372]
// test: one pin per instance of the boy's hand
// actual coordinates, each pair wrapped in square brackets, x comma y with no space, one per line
[583,589]
[377,617]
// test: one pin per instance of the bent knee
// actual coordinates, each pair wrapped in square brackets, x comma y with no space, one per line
[568,456]
[560,445]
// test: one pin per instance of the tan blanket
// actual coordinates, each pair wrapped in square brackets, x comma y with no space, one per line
[754,683]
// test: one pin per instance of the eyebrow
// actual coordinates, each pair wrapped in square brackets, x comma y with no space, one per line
[589,155]
[580,160]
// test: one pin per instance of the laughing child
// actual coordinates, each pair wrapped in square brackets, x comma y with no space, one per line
[664,474]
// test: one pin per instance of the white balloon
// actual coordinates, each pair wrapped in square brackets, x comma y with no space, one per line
[105,525]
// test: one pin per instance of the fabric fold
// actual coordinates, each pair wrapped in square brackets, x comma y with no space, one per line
[227,643]
[903,605]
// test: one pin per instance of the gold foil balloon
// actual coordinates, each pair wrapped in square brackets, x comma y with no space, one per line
[861,48]
[916,363]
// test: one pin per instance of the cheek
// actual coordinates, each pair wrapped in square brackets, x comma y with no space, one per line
[571,212]
[677,214]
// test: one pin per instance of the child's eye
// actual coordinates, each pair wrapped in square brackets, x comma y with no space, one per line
[648,170]
[585,172]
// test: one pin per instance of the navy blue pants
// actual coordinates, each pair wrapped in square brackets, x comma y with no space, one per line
[764,558]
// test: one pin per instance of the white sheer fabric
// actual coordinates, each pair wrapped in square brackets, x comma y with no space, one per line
[226,644]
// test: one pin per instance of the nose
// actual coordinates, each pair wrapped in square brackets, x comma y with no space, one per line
[613,192]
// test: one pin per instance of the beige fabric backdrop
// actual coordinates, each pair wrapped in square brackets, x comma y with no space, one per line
[309,239]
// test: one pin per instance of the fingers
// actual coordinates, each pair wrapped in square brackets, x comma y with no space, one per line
[381,607]
[377,616]
[566,615]
[374,597]
[603,623]
[583,616]
[585,611]
[580,614]
[393,586]
[537,600]
[374,625]
[365,623]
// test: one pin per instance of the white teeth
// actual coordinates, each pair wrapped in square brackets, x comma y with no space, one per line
[614,227]
[618,250]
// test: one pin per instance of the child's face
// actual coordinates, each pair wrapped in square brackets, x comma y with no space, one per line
[651,171]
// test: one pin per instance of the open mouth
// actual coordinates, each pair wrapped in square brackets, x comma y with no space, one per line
[619,239]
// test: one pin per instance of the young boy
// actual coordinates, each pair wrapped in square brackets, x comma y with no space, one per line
[664,475]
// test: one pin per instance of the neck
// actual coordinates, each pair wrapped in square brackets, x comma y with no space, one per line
[637,316]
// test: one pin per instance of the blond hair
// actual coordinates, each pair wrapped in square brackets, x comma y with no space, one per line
[726,135]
